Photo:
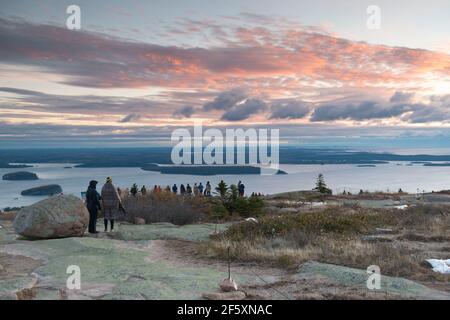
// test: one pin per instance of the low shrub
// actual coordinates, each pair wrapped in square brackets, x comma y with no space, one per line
[218,210]
[245,207]
[325,221]
[166,207]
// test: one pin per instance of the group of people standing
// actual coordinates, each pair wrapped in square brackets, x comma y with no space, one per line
[110,201]
[196,190]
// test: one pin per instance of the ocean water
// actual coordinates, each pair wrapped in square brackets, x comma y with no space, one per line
[383,177]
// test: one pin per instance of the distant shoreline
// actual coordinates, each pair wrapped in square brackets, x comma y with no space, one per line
[142,157]
[201,170]
[436,164]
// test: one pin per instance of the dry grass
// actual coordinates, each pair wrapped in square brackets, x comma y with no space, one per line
[8,216]
[316,196]
[334,235]
[398,262]
[26,294]
[411,236]
[377,195]
[339,221]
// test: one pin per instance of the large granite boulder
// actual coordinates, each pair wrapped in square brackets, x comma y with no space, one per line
[48,190]
[19,176]
[56,217]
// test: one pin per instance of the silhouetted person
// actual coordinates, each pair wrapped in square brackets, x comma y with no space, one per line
[93,205]
[182,189]
[188,189]
[208,189]
[174,188]
[241,189]
[195,189]
[200,188]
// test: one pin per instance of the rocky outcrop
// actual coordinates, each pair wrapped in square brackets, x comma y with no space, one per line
[56,217]
[47,190]
[228,285]
[358,278]
[139,221]
[20,176]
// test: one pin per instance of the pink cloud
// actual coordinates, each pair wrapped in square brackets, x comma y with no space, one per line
[253,54]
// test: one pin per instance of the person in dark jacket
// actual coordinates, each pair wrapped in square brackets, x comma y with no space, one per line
[241,189]
[182,189]
[93,205]
[174,189]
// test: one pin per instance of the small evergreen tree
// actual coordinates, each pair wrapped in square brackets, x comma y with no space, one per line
[321,186]
[134,189]
[222,189]
[234,192]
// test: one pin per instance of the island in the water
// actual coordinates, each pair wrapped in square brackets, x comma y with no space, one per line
[20,176]
[447,164]
[4,165]
[202,170]
[47,190]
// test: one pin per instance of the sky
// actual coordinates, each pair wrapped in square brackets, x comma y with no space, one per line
[137,70]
